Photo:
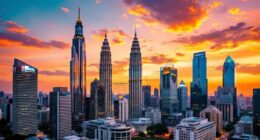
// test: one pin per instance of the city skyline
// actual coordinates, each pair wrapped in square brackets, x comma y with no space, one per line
[156,45]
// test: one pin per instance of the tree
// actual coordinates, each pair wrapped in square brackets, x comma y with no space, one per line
[78,129]
[5,128]
[157,129]
[141,134]
[229,127]
[218,134]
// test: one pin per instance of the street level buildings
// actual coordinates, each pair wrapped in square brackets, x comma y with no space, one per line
[25,86]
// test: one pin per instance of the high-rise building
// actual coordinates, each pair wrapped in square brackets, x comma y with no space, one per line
[229,81]
[43,115]
[60,112]
[194,128]
[153,114]
[97,100]
[147,96]
[156,92]
[78,75]
[244,126]
[224,102]
[214,115]
[105,75]
[256,111]
[116,109]
[25,86]
[123,109]
[168,91]
[106,129]
[182,93]
[199,84]
[135,81]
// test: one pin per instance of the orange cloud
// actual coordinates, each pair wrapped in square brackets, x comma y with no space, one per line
[216,4]
[14,27]
[138,11]
[158,59]
[64,9]
[234,11]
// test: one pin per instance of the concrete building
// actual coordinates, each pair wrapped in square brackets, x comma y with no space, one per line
[25,86]
[147,96]
[244,126]
[153,114]
[60,112]
[106,129]
[214,115]
[135,81]
[174,119]
[123,109]
[194,128]
[140,124]
[43,115]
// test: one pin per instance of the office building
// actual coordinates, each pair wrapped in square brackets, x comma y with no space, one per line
[135,81]
[174,119]
[153,114]
[199,84]
[168,91]
[106,129]
[116,109]
[97,100]
[229,81]
[78,75]
[140,124]
[105,75]
[256,111]
[123,109]
[43,115]
[214,115]
[194,128]
[25,86]
[182,94]
[60,112]
[244,126]
[147,96]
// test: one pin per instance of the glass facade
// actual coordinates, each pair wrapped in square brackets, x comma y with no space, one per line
[199,84]
[256,112]
[229,72]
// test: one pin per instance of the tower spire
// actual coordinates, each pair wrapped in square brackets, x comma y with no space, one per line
[79,13]
[135,31]
[105,34]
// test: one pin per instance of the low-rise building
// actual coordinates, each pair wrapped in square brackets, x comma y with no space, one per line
[140,124]
[154,115]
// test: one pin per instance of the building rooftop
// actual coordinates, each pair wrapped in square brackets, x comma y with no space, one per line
[246,120]
[107,122]
[194,122]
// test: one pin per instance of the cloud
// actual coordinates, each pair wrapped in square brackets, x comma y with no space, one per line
[120,66]
[54,73]
[65,10]
[14,27]
[98,1]
[252,69]
[180,54]
[158,59]
[228,38]
[234,11]
[177,15]
[15,35]
[117,36]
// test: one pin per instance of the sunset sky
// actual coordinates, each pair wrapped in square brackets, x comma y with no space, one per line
[39,32]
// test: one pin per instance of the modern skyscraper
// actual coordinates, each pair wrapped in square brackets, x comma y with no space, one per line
[78,75]
[147,96]
[97,99]
[182,93]
[105,75]
[199,84]
[256,111]
[229,81]
[25,86]
[135,81]
[168,91]
[214,115]
[123,109]
[60,112]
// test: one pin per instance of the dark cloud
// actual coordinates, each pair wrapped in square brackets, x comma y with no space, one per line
[177,15]
[14,27]
[227,38]
[54,73]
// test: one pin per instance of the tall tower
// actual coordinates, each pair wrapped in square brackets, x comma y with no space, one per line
[78,74]
[135,81]
[25,81]
[199,84]
[182,93]
[105,76]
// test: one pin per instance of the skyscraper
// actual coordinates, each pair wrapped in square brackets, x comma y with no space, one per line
[135,81]
[168,91]
[78,75]
[182,93]
[97,99]
[147,96]
[229,81]
[123,109]
[256,111]
[25,86]
[199,84]
[105,75]
[60,112]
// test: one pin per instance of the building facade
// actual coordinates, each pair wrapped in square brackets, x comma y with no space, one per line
[256,111]
[153,114]
[25,86]
[214,115]
[182,94]
[78,75]
[194,128]
[135,81]
[105,75]
[168,91]
[60,112]
[147,96]
[199,84]
[123,109]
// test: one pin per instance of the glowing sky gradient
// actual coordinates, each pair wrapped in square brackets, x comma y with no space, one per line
[170,31]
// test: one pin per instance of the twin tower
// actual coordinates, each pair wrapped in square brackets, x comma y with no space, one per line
[78,77]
